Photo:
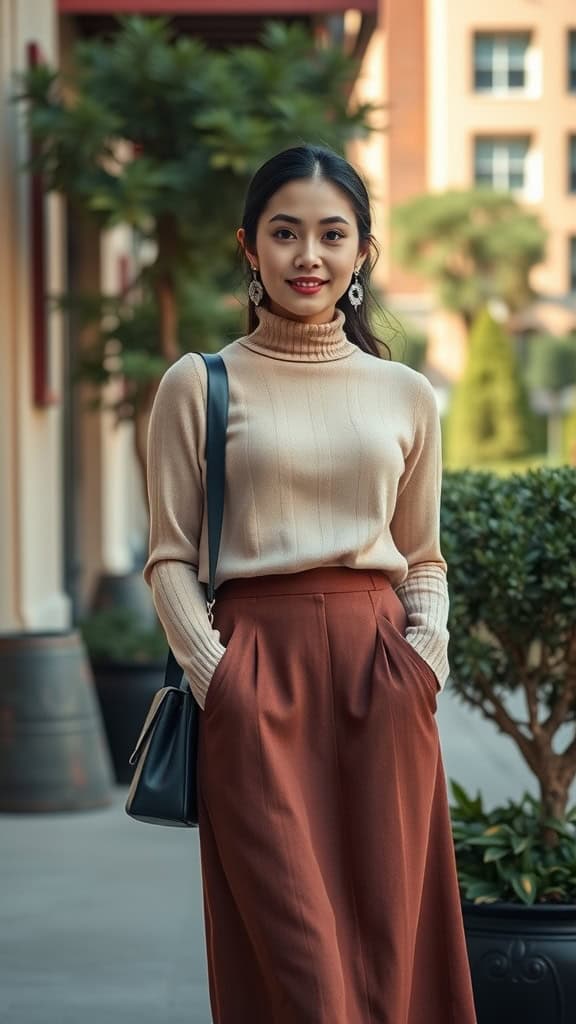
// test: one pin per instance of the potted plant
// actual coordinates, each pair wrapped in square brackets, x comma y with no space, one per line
[128,658]
[510,544]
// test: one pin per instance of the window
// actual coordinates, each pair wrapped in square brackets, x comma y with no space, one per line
[572,163]
[500,61]
[572,269]
[572,61]
[500,163]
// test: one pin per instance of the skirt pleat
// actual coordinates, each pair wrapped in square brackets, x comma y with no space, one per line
[328,867]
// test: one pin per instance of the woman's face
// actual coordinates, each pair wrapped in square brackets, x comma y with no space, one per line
[307,247]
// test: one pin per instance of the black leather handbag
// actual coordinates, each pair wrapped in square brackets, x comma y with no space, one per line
[163,790]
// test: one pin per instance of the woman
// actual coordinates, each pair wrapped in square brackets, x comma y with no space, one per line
[328,868]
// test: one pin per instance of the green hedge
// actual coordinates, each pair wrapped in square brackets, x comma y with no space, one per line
[510,544]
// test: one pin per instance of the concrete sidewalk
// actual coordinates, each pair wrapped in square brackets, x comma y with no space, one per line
[100,920]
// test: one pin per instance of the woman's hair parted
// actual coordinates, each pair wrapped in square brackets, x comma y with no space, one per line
[309,161]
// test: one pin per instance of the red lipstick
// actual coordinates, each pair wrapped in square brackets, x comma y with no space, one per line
[307,285]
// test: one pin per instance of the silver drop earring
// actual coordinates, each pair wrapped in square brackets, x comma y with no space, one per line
[255,289]
[356,292]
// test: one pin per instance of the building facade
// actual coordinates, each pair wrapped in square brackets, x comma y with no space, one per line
[478,94]
[32,590]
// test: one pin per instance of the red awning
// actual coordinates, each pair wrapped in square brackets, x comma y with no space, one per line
[235,7]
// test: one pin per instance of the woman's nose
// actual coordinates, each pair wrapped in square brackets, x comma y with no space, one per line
[308,255]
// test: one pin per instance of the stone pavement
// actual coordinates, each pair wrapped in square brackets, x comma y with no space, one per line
[100,920]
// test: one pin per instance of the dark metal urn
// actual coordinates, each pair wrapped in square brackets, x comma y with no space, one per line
[125,690]
[125,590]
[523,962]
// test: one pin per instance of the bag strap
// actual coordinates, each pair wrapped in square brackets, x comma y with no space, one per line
[216,424]
[215,451]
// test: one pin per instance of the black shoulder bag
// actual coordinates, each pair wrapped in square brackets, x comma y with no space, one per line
[163,790]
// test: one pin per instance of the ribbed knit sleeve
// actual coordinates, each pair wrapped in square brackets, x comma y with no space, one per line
[176,436]
[415,528]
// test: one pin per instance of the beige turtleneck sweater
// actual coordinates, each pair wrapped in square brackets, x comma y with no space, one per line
[333,458]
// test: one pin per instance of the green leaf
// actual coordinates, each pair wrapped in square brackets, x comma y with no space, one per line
[489,842]
[481,891]
[520,844]
[466,803]
[495,853]
[525,887]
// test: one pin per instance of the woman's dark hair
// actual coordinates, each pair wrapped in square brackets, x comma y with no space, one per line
[309,161]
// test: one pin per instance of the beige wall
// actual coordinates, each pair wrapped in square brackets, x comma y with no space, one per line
[31,594]
[121,492]
[109,507]
[108,495]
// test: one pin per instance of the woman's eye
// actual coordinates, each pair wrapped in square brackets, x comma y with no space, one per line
[283,233]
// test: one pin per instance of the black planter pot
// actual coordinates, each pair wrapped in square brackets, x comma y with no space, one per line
[125,690]
[125,590]
[523,962]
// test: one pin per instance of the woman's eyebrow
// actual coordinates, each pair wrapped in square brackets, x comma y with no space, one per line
[296,220]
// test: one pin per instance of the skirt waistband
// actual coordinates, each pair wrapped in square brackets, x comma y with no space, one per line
[330,579]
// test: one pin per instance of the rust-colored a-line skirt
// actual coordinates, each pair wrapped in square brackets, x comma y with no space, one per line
[328,867]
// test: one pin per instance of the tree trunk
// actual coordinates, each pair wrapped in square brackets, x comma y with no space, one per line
[165,294]
[468,320]
[555,438]
[140,453]
[554,798]
[141,418]
[165,289]
[165,286]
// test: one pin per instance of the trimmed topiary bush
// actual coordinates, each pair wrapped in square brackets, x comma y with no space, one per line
[510,544]
[489,417]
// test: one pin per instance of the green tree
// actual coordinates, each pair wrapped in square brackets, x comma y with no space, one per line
[473,246]
[409,345]
[161,133]
[489,416]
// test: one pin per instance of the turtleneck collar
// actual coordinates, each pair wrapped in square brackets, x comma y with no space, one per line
[282,338]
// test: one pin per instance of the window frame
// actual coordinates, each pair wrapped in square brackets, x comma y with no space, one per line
[500,64]
[572,265]
[571,61]
[571,163]
[504,142]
